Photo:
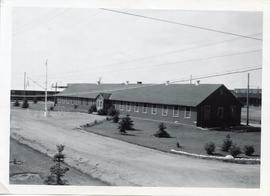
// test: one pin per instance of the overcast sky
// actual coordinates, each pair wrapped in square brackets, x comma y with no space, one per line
[82,45]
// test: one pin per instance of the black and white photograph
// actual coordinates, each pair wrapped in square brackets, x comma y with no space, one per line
[136,97]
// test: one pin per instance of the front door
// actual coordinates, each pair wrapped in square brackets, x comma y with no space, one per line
[100,103]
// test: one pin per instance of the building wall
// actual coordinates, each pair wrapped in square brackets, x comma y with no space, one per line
[68,104]
[137,110]
[209,114]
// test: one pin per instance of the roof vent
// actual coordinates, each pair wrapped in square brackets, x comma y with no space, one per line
[99,80]
[139,82]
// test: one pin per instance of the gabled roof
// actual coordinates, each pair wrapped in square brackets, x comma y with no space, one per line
[92,90]
[172,94]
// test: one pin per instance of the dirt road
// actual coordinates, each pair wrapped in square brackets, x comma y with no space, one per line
[121,163]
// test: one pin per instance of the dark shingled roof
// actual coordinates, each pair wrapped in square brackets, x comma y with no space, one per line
[172,94]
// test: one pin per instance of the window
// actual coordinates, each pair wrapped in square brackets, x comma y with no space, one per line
[144,108]
[87,101]
[121,106]
[207,112]
[220,112]
[165,110]
[100,103]
[233,111]
[128,107]
[175,111]
[154,109]
[136,107]
[187,112]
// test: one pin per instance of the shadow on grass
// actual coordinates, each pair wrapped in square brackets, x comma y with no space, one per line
[240,128]
[126,134]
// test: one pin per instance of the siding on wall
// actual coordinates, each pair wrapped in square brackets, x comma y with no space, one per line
[220,98]
[158,116]
[67,103]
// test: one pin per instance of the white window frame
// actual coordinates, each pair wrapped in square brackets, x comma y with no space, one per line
[121,106]
[136,107]
[187,112]
[154,109]
[174,111]
[128,107]
[100,103]
[164,110]
[144,108]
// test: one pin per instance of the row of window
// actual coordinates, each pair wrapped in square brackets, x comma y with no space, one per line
[153,109]
[75,101]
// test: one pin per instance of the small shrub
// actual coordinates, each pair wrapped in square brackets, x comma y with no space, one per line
[115,118]
[249,150]
[161,131]
[102,112]
[122,127]
[92,109]
[125,124]
[16,103]
[227,143]
[25,104]
[57,170]
[112,111]
[235,150]
[210,148]
[75,106]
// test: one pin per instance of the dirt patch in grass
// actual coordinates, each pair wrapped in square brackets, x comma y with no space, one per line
[191,139]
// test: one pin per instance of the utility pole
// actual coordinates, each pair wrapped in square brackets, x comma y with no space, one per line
[24,84]
[46,93]
[55,93]
[248,100]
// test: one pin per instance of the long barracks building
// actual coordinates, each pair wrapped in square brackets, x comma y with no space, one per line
[204,105]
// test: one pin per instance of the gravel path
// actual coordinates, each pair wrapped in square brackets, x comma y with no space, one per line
[120,163]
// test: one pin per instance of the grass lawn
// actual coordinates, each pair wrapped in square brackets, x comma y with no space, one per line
[191,139]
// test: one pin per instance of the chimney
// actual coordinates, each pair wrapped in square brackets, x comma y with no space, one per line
[99,81]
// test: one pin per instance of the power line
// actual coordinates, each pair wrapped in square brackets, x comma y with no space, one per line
[182,24]
[36,82]
[156,55]
[165,64]
[48,22]
[254,68]
[187,61]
